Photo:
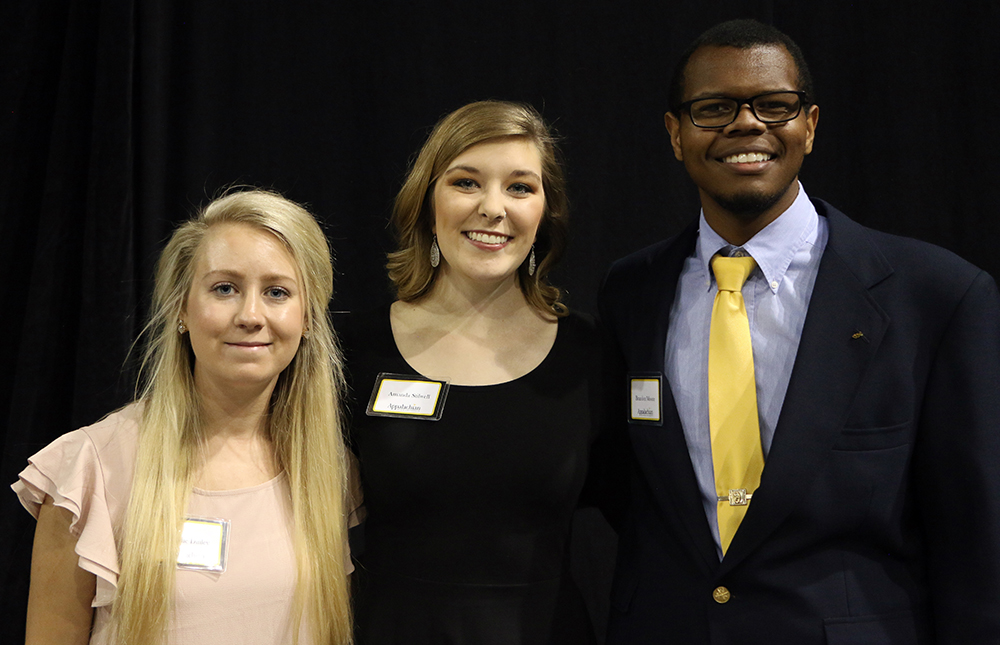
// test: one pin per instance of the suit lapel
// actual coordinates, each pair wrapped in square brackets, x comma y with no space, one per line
[829,366]
[661,451]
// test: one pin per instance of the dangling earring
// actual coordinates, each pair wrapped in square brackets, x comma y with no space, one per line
[531,261]
[181,327]
[435,253]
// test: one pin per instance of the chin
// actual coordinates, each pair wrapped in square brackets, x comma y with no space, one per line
[749,206]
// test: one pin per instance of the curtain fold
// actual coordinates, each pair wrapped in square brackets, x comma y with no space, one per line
[68,256]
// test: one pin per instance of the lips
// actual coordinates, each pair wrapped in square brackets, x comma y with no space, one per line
[487,238]
[248,344]
[748,157]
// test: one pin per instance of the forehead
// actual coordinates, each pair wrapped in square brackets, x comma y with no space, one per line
[515,149]
[244,249]
[732,71]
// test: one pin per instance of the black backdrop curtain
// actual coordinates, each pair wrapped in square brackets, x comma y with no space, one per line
[120,117]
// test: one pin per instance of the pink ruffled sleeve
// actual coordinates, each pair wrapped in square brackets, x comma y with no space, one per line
[72,471]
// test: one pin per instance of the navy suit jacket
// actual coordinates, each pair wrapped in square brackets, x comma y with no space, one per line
[877,519]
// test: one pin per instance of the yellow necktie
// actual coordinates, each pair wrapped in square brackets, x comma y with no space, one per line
[732,397]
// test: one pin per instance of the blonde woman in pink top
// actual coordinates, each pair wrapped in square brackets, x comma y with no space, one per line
[214,508]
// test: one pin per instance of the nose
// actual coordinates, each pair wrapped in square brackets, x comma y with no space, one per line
[250,315]
[492,206]
[746,120]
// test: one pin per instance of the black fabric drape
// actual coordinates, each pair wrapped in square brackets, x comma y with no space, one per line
[119,118]
[67,239]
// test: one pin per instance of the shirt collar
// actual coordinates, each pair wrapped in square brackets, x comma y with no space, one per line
[772,248]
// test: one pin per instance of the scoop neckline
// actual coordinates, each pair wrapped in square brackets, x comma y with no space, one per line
[387,320]
[240,491]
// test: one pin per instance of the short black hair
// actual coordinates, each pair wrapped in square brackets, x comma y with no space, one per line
[742,34]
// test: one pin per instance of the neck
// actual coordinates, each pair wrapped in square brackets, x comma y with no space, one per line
[234,412]
[464,298]
[738,228]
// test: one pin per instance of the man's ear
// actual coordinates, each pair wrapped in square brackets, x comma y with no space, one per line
[674,128]
[812,120]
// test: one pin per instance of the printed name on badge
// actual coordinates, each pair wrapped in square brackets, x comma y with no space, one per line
[204,544]
[407,396]
[646,400]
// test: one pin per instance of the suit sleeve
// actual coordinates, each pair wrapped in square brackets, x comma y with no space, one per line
[956,471]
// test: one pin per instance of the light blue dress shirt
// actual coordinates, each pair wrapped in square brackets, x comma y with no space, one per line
[777,293]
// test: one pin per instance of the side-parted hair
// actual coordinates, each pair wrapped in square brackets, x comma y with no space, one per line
[412,216]
[304,426]
[741,34]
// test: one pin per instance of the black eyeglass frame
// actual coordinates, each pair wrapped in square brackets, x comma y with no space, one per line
[686,105]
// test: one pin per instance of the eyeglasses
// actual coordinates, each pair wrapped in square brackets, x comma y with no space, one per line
[720,111]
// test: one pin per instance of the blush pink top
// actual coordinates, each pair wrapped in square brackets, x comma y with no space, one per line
[89,472]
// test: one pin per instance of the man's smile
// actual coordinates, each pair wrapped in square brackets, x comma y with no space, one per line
[748,157]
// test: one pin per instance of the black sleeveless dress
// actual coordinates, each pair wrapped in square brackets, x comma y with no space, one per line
[468,517]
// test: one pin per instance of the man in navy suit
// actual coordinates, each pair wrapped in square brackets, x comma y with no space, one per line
[877,368]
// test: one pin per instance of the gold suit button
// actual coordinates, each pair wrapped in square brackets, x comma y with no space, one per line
[721,595]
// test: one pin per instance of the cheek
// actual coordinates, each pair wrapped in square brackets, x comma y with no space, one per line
[695,167]
[533,215]
[290,321]
[445,210]
[450,212]
[207,317]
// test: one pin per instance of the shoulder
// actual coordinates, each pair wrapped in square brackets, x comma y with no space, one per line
[649,268]
[108,445]
[894,262]
[117,430]
[357,330]
[86,471]
[112,443]
[89,473]
[579,328]
[642,260]
[368,348]
[581,345]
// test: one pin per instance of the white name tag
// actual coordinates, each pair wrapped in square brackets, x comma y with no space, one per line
[204,544]
[405,395]
[646,399]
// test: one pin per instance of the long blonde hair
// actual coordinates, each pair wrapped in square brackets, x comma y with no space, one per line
[304,426]
[412,215]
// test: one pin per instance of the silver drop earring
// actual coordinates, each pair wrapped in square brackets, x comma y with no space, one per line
[435,253]
[181,327]
[531,261]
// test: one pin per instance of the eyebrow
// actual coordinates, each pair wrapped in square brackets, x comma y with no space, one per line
[472,169]
[270,277]
[717,95]
[525,173]
[514,173]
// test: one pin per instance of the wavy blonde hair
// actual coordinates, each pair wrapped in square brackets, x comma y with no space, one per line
[413,214]
[304,426]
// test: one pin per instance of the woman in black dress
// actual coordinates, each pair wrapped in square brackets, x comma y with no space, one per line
[477,398]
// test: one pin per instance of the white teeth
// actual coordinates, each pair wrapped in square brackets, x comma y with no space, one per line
[746,157]
[486,238]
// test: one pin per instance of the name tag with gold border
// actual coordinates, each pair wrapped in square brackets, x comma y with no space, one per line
[646,398]
[204,544]
[407,396]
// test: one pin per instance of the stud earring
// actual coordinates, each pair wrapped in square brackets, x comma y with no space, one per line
[181,327]
[531,261]
[435,253]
